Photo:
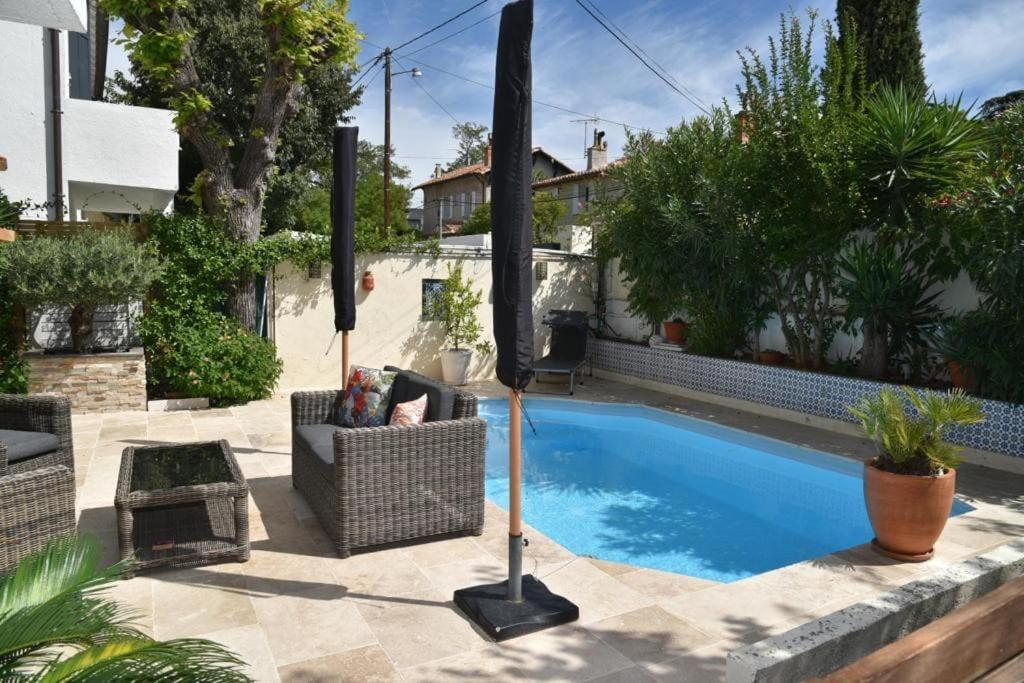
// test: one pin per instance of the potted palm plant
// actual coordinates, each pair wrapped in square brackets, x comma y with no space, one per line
[454,307]
[909,485]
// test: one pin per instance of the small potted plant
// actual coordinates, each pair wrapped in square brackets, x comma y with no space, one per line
[454,307]
[909,486]
[675,331]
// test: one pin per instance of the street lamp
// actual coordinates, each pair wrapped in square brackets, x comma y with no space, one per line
[415,73]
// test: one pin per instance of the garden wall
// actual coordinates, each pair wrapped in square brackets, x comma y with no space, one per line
[390,328]
[808,393]
[95,383]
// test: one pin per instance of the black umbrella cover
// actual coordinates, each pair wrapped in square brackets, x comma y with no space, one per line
[511,180]
[343,228]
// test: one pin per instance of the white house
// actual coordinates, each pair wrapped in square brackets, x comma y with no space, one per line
[89,160]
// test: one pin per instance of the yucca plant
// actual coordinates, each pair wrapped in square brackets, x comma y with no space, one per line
[914,443]
[55,625]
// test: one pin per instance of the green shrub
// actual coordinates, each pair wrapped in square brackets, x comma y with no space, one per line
[191,347]
[83,271]
[207,354]
[455,308]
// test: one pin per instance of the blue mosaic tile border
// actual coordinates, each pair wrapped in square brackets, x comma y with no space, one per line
[806,392]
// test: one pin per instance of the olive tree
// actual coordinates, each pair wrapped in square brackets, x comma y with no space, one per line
[81,272]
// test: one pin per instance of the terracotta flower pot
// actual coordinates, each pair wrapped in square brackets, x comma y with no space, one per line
[675,333]
[907,512]
[961,377]
[771,357]
[368,281]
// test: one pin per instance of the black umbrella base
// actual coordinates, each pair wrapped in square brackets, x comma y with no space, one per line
[488,608]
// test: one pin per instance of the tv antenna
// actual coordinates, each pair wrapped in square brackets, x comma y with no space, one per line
[586,131]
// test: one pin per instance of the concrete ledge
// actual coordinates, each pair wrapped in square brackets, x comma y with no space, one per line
[820,647]
[169,404]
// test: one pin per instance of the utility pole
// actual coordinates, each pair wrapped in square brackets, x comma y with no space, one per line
[387,142]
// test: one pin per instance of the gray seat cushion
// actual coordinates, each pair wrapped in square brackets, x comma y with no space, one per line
[319,440]
[409,386]
[24,445]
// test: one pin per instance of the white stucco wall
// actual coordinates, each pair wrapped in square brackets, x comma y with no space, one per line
[67,15]
[126,155]
[24,113]
[388,329]
[119,145]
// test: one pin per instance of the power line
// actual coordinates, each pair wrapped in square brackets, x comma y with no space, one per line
[536,101]
[427,93]
[642,60]
[364,74]
[643,52]
[452,35]
[442,24]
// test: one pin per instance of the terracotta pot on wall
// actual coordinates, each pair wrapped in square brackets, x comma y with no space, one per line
[961,377]
[675,332]
[368,282]
[907,512]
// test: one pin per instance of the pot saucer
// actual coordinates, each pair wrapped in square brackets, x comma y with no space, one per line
[902,557]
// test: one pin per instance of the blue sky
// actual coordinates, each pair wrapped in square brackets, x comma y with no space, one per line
[969,45]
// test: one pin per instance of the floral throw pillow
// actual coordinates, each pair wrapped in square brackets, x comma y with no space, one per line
[366,397]
[410,412]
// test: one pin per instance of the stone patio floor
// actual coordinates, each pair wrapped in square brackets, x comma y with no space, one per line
[295,612]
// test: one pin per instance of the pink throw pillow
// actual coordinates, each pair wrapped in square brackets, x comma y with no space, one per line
[410,412]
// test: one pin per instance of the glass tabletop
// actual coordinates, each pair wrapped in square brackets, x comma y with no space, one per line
[165,467]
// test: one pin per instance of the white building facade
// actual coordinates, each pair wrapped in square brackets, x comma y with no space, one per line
[83,159]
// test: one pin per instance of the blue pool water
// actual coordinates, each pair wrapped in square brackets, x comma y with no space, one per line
[651,488]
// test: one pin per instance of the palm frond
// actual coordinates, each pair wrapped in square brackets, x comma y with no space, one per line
[142,659]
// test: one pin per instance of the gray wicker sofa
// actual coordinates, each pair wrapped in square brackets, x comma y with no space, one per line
[37,474]
[375,485]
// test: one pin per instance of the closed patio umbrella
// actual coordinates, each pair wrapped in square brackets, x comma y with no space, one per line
[519,605]
[343,239]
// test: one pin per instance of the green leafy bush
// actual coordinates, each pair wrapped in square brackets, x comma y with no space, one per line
[84,271]
[680,235]
[207,354]
[914,444]
[193,349]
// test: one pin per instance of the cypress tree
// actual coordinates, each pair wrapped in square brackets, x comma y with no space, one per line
[889,34]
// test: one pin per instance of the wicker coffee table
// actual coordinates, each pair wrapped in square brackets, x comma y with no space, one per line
[182,505]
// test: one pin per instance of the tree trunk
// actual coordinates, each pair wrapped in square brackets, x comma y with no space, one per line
[81,327]
[874,355]
[243,223]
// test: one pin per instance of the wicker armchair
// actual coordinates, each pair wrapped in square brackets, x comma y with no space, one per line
[34,507]
[392,483]
[43,414]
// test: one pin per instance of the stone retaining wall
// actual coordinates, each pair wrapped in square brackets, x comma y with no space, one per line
[98,383]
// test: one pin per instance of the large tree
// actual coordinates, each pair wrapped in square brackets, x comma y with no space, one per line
[233,104]
[889,35]
[471,139]
[370,196]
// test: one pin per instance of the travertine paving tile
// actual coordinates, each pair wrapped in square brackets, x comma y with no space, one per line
[366,664]
[251,646]
[187,602]
[311,624]
[419,627]
[650,635]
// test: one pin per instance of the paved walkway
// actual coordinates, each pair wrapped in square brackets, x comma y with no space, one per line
[297,613]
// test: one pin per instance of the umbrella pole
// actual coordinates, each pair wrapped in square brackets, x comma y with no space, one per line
[344,358]
[515,514]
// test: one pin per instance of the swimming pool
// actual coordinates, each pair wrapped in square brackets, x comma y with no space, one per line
[647,487]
